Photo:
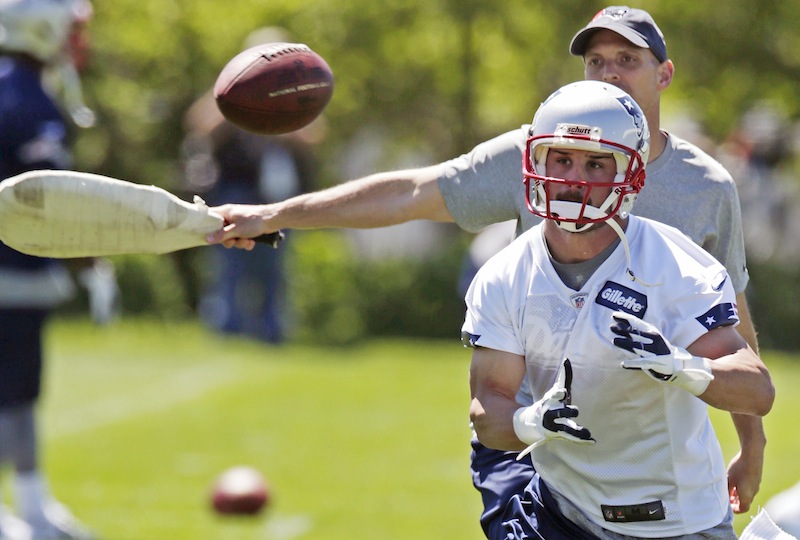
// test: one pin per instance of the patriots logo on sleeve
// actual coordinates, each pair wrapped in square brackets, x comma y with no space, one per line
[719,315]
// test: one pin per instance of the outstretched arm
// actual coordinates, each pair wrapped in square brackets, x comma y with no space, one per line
[378,200]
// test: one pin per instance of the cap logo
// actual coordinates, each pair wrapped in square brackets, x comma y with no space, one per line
[612,13]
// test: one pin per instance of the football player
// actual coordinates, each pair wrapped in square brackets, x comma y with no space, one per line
[37,38]
[622,329]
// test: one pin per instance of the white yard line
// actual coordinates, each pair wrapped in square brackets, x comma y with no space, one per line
[287,527]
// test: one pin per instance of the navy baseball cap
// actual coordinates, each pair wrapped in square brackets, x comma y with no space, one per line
[635,25]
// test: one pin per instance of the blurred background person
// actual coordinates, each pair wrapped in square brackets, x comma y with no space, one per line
[244,293]
[39,88]
[483,247]
[759,153]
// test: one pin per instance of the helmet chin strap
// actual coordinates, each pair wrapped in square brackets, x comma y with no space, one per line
[572,210]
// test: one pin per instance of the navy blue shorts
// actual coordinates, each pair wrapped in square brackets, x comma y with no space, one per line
[516,503]
[20,356]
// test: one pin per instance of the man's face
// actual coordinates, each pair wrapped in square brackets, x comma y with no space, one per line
[584,166]
[613,59]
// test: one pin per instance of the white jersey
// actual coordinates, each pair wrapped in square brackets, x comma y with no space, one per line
[655,442]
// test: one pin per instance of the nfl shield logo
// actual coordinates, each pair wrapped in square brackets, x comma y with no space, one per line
[578,300]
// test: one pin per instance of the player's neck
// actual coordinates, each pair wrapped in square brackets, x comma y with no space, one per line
[568,248]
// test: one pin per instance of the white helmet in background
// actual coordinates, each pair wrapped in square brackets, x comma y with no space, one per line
[38,28]
[594,116]
[42,29]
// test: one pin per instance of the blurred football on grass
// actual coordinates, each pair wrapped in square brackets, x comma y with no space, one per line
[240,491]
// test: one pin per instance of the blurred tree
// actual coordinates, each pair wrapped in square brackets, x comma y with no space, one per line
[439,75]
[728,59]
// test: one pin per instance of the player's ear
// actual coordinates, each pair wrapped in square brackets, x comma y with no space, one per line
[665,72]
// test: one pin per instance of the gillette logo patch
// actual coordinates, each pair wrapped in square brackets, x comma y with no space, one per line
[618,297]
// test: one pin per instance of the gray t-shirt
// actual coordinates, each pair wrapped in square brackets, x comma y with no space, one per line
[684,187]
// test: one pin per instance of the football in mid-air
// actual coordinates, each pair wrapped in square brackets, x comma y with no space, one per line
[274,88]
[240,490]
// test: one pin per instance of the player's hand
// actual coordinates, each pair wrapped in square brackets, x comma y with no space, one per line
[744,480]
[552,416]
[243,222]
[658,357]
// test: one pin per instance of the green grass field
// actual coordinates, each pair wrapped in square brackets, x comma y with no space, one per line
[363,442]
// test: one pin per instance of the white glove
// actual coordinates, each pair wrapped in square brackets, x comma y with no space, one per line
[551,417]
[657,357]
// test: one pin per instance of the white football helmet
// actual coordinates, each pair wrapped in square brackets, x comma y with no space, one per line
[39,28]
[42,29]
[594,116]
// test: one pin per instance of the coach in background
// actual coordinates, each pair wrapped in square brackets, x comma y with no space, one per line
[245,293]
